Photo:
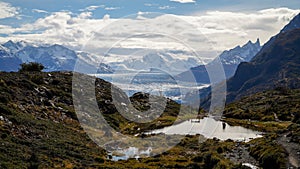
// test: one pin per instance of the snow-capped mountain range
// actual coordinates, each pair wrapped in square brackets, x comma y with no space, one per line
[230,59]
[53,57]
[240,54]
[57,57]
[170,61]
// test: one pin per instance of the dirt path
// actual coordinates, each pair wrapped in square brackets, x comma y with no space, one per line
[293,149]
[240,154]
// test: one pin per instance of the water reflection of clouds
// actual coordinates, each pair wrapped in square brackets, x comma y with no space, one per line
[210,128]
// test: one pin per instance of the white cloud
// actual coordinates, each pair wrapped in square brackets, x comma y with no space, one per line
[92,7]
[4,29]
[184,1]
[148,4]
[232,28]
[57,20]
[8,11]
[106,17]
[85,15]
[59,27]
[165,7]
[111,8]
[39,11]
[224,30]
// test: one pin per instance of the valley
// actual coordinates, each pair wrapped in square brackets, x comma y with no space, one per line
[34,128]
[134,96]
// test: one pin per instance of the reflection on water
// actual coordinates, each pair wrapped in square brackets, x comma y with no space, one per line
[210,128]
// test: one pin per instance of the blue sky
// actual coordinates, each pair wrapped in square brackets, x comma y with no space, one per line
[70,22]
[120,8]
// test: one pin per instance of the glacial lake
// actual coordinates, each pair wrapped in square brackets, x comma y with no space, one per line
[152,83]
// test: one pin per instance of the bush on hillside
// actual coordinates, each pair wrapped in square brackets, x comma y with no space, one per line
[31,67]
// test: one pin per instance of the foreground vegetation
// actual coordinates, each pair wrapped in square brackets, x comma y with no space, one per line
[276,113]
[39,128]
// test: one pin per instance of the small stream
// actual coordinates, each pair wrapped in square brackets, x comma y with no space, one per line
[131,152]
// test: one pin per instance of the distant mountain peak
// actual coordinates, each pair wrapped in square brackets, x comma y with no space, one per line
[248,43]
[257,43]
[15,46]
[240,54]
[10,42]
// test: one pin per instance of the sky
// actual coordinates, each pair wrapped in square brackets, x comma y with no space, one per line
[223,24]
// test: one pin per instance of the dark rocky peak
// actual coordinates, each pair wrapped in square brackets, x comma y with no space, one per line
[293,24]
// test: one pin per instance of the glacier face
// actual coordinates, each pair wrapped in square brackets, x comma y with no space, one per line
[169,61]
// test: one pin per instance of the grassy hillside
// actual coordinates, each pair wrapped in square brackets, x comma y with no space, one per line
[280,104]
[39,128]
[276,113]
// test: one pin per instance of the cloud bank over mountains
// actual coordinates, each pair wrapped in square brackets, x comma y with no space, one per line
[222,29]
